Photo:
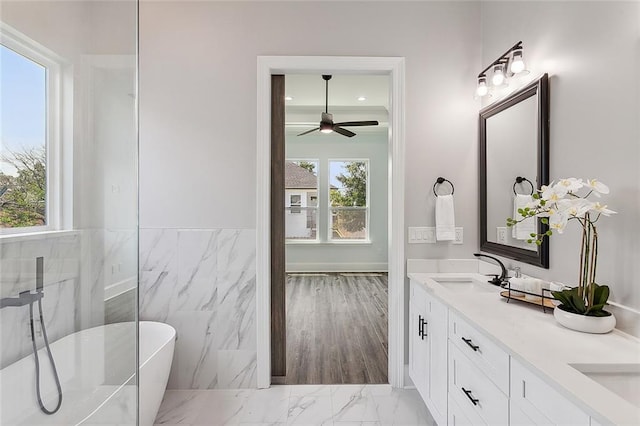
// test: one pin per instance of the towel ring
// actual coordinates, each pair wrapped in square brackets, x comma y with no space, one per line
[520,179]
[442,180]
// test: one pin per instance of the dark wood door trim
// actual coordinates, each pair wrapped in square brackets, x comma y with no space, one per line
[278,262]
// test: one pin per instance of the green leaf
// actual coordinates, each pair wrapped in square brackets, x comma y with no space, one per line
[535,196]
[543,202]
[544,220]
[548,233]
[600,294]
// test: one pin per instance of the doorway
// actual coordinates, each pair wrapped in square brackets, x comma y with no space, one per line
[394,68]
[336,229]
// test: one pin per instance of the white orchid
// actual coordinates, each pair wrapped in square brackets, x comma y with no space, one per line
[568,185]
[558,221]
[601,209]
[597,187]
[575,207]
[557,204]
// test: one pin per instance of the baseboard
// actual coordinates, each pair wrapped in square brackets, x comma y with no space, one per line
[278,380]
[338,267]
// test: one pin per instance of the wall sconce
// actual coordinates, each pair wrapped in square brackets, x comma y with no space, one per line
[507,65]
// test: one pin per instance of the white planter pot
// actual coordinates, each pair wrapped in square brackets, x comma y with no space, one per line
[584,323]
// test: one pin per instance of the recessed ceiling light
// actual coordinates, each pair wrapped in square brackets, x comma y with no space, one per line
[288,98]
[362,98]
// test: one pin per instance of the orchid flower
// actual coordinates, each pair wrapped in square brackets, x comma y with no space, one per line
[601,209]
[569,185]
[597,187]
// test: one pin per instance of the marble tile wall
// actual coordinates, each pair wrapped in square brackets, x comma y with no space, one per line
[202,282]
[77,268]
[17,274]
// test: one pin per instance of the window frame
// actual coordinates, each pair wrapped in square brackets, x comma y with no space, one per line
[366,208]
[58,186]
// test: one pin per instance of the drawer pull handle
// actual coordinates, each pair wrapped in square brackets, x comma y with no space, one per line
[471,398]
[470,344]
[421,327]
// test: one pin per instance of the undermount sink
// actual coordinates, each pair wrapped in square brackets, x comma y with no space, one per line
[465,284]
[621,379]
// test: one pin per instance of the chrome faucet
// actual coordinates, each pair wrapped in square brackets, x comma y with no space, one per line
[496,280]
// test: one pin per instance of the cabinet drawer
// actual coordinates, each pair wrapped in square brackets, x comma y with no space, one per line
[485,354]
[539,401]
[461,415]
[470,386]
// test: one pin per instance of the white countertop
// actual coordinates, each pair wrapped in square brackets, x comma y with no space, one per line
[544,346]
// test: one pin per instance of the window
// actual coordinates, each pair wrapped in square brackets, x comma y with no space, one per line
[349,200]
[301,198]
[296,203]
[29,104]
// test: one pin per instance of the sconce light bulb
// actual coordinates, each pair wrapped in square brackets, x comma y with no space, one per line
[498,76]
[482,88]
[517,64]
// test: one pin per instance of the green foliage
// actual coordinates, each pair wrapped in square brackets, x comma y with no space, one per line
[354,184]
[311,167]
[572,301]
[23,197]
[353,194]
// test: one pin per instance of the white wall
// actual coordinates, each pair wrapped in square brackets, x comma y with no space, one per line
[198,131]
[344,256]
[590,50]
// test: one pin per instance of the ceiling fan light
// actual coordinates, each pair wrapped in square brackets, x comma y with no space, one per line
[326,127]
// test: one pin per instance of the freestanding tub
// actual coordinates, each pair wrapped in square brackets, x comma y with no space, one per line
[96,367]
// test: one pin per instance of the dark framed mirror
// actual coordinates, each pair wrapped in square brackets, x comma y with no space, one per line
[514,162]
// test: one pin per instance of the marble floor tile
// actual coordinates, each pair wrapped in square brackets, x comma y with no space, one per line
[181,406]
[222,409]
[267,406]
[353,403]
[310,410]
[341,405]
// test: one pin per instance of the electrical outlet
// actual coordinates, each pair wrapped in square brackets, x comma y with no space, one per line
[430,238]
[502,234]
[422,235]
[459,235]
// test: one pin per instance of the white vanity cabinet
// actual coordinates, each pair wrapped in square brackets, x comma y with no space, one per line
[533,402]
[428,350]
[466,378]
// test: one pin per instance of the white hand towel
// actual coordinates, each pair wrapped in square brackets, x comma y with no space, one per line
[524,229]
[445,218]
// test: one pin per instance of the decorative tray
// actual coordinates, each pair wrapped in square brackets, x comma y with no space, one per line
[545,300]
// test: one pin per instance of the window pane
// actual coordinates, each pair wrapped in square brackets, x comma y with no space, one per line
[301,199]
[348,183]
[300,223]
[23,103]
[349,224]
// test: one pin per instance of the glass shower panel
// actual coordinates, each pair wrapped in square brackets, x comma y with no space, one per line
[68,212]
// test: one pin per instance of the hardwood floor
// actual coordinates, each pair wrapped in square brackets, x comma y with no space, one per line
[337,328]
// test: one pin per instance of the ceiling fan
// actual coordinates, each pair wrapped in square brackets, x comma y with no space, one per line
[326,122]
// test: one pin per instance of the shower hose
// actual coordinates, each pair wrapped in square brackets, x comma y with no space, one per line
[35,355]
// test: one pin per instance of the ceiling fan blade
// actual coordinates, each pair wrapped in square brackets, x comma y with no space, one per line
[309,131]
[358,123]
[343,132]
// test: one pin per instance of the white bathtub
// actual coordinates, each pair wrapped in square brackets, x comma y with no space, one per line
[96,367]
